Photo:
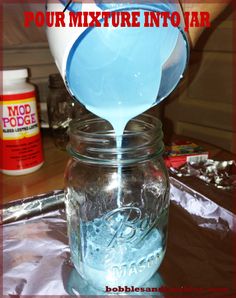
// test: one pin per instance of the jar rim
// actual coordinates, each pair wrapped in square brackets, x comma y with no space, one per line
[93,140]
[76,125]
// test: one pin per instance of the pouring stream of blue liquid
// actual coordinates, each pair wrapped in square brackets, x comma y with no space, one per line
[117,74]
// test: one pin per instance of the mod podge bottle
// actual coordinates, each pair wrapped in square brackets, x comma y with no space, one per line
[21,145]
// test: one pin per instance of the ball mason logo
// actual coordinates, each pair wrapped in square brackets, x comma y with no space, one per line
[128,225]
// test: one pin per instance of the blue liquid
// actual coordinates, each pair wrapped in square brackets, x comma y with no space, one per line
[116,72]
[107,260]
[76,285]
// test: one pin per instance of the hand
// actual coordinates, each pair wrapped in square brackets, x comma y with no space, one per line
[213,8]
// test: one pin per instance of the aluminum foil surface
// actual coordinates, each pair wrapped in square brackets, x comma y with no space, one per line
[221,174]
[198,261]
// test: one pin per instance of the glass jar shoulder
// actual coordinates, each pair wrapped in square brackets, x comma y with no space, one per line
[149,178]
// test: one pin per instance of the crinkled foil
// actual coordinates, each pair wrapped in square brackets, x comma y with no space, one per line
[219,173]
[198,261]
[33,206]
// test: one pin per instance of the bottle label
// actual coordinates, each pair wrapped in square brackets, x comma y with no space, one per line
[20,133]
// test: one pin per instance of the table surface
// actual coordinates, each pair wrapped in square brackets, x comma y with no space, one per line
[50,175]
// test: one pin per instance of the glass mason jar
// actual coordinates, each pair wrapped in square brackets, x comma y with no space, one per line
[62,108]
[116,201]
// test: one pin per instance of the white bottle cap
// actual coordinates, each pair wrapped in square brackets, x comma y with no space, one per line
[15,74]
